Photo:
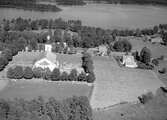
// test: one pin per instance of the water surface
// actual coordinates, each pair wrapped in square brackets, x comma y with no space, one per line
[100,15]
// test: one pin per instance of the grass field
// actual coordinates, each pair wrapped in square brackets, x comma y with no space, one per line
[155,109]
[115,85]
[30,90]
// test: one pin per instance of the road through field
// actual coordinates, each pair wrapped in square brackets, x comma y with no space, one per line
[115,85]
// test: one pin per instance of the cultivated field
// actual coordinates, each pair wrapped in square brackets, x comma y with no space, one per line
[115,85]
[34,88]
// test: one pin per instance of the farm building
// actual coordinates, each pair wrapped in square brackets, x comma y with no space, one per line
[157,40]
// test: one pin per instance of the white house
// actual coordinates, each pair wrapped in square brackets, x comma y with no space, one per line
[102,49]
[45,63]
[157,40]
[129,61]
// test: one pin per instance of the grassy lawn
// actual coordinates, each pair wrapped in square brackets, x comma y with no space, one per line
[30,90]
[115,85]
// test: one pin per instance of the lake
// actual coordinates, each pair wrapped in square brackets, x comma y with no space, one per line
[100,15]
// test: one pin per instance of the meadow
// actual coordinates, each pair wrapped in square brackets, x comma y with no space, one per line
[116,85]
[33,88]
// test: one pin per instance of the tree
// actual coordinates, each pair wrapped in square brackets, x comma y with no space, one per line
[55,76]
[164,38]
[7,53]
[3,62]
[73,75]
[47,73]
[10,73]
[122,46]
[37,72]
[64,76]
[87,63]
[18,72]
[82,77]
[145,55]
[28,73]
[155,29]
[91,77]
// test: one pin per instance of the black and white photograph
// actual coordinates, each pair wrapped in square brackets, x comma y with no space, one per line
[83,59]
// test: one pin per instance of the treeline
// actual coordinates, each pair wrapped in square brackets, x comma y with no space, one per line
[153,2]
[74,108]
[28,5]
[70,2]
[85,36]
[20,72]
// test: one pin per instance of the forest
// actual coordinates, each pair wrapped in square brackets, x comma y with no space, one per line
[153,2]
[70,2]
[28,5]
[74,108]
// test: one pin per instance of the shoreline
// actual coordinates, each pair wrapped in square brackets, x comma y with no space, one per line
[57,9]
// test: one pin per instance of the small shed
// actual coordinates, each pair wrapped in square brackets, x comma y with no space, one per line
[157,40]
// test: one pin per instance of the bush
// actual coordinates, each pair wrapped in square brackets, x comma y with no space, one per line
[73,75]
[37,72]
[64,76]
[144,66]
[55,76]
[162,71]
[122,46]
[10,73]
[87,63]
[28,73]
[18,72]
[91,78]
[146,97]
[145,55]
[155,62]
[82,77]
[8,54]
[47,74]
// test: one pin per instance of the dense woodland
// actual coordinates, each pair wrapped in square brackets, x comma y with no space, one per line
[28,5]
[70,2]
[74,108]
[154,2]
[15,30]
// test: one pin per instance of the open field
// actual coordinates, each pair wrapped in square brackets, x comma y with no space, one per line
[30,89]
[115,85]
[155,109]
[162,77]
[156,49]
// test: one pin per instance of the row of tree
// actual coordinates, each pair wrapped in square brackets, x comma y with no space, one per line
[7,55]
[154,2]
[19,72]
[87,36]
[87,64]
[74,108]
[28,5]
[70,2]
